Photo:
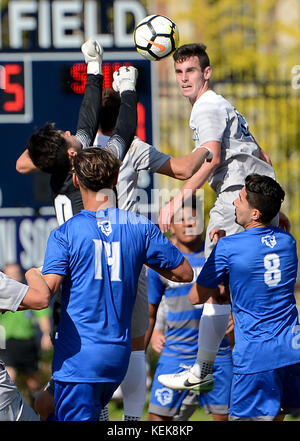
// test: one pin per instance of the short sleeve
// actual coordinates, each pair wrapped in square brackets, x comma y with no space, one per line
[208,122]
[156,288]
[216,268]
[160,252]
[146,157]
[57,254]
[11,293]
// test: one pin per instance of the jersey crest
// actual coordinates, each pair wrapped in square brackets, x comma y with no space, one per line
[105,227]
[269,240]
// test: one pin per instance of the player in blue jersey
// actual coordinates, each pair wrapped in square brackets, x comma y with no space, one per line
[260,264]
[181,331]
[97,256]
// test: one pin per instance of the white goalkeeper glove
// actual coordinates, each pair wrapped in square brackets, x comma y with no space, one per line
[93,54]
[125,79]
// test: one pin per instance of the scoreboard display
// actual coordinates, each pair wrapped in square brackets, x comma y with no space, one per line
[41,87]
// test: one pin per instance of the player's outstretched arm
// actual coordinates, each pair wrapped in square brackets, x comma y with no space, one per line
[38,294]
[186,166]
[89,114]
[190,187]
[125,130]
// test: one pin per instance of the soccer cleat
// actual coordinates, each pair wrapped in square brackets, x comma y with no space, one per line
[186,380]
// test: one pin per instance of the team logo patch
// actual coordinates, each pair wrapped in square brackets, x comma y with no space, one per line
[164,395]
[105,227]
[268,240]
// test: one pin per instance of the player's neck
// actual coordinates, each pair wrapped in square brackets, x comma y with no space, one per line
[205,88]
[189,248]
[255,224]
[98,201]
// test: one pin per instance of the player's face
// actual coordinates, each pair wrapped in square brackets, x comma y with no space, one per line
[191,80]
[243,211]
[187,226]
[72,141]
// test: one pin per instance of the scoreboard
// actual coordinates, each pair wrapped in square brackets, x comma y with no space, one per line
[41,87]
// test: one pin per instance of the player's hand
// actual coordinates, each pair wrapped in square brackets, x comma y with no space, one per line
[157,340]
[165,216]
[125,79]
[216,234]
[284,222]
[93,54]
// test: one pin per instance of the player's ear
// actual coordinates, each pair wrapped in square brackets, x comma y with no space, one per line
[256,214]
[75,180]
[207,72]
[71,152]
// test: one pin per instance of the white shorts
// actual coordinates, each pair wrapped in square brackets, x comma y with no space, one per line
[140,316]
[222,215]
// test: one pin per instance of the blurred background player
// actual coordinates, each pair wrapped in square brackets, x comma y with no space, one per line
[140,156]
[13,296]
[261,265]
[215,124]
[27,333]
[53,151]
[92,348]
[179,327]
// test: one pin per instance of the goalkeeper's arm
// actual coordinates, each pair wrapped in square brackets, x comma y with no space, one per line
[125,130]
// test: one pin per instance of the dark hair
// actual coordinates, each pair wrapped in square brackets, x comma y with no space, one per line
[111,102]
[96,168]
[190,202]
[47,149]
[265,194]
[192,50]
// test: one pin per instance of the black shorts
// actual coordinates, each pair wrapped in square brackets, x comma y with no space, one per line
[22,355]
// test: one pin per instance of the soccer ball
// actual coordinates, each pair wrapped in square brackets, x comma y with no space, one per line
[156,37]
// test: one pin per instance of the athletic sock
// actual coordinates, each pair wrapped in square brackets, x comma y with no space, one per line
[212,327]
[134,386]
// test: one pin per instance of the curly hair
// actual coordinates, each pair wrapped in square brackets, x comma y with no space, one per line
[47,149]
[265,194]
[192,50]
[96,168]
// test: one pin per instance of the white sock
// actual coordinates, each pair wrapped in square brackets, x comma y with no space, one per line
[212,327]
[134,386]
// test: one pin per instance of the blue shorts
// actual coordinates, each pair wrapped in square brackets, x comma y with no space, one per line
[81,401]
[167,402]
[264,395]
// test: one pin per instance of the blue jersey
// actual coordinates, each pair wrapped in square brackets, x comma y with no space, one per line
[261,266]
[101,256]
[182,317]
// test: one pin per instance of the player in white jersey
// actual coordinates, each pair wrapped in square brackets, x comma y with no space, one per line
[140,156]
[16,296]
[218,125]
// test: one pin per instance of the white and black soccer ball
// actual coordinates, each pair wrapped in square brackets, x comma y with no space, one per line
[156,37]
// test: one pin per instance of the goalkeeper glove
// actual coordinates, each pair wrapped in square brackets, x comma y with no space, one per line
[125,79]
[93,54]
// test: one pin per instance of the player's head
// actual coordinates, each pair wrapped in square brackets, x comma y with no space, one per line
[96,169]
[51,149]
[187,223]
[259,200]
[187,51]
[192,70]
[111,102]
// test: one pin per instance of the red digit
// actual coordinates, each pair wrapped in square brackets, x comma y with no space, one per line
[15,89]
[78,73]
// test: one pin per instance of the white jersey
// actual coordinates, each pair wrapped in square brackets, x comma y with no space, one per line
[213,118]
[11,295]
[140,156]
